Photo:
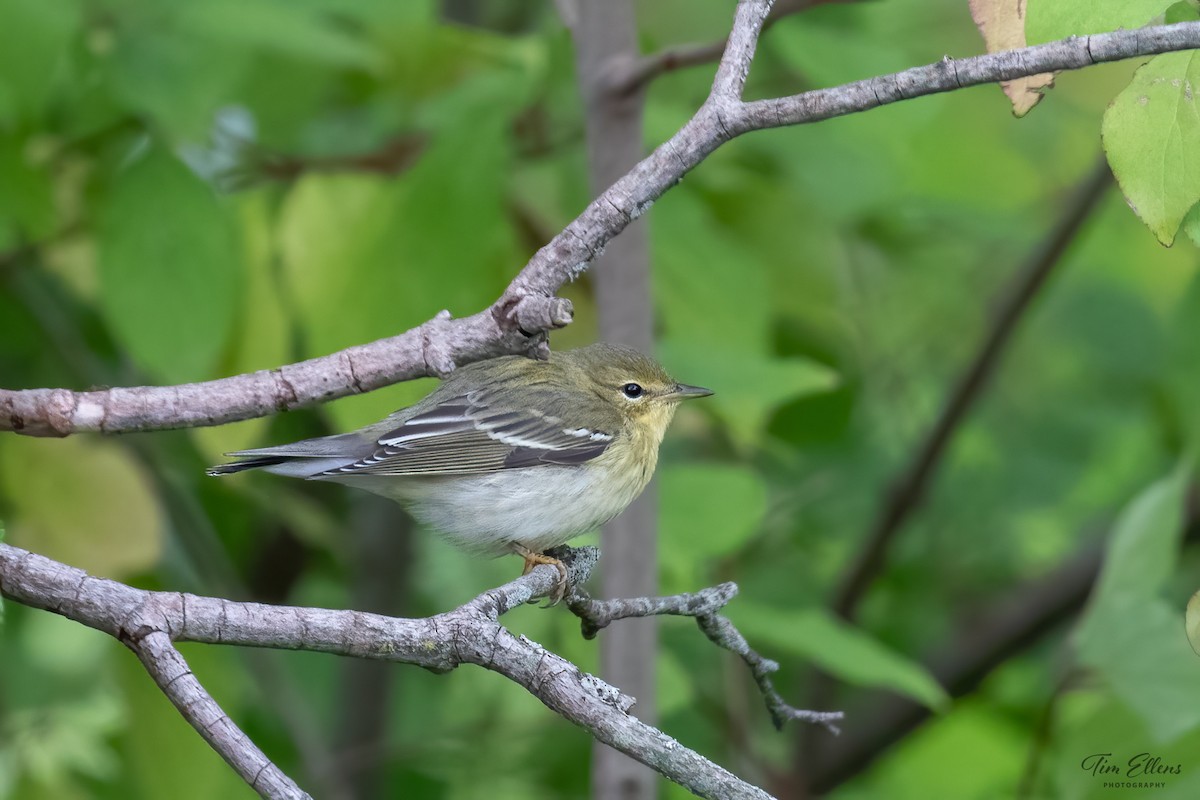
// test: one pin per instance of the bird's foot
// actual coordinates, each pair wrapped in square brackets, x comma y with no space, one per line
[533,559]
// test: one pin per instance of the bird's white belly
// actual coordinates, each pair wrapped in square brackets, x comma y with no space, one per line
[539,508]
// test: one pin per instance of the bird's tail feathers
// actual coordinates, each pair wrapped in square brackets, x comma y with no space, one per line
[252,463]
[302,459]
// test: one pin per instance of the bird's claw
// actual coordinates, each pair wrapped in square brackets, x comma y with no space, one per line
[533,559]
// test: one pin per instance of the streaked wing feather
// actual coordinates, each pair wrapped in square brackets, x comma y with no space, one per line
[464,435]
[530,457]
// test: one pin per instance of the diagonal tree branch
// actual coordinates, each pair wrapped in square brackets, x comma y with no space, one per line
[1012,624]
[910,486]
[172,674]
[527,309]
[150,621]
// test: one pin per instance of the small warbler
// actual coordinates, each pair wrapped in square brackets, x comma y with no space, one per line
[509,455]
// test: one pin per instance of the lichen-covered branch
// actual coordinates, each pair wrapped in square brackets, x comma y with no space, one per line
[150,622]
[516,322]
[594,615]
[1074,52]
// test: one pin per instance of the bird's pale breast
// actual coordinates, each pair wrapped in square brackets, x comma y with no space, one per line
[539,507]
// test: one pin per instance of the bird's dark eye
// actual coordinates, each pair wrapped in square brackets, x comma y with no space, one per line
[632,390]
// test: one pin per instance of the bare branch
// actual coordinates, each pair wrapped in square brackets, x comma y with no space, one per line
[172,674]
[594,615]
[1010,625]
[647,68]
[439,345]
[722,632]
[739,49]
[470,634]
[1074,52]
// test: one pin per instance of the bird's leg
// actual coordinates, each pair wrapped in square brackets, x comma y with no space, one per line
[533,559]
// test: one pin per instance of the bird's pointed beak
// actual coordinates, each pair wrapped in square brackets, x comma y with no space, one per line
[685,392]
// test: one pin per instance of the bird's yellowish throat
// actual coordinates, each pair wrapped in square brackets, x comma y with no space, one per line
[509,455]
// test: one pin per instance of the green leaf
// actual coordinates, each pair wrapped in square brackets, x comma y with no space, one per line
[1131,637]
[169,268]
[177,80]
[705,289]
[1088,722]
[282,27]
[26,192]
[1144,547]
[54,743]
[917,767]
[1191,225]
[1150,133]
[370,257]
[748,385]
[1140,649]
[1047,20]
[1183,11]
[709,510]
[35,38]
[842,650]
[86,502]
[1181,379]
[262,333]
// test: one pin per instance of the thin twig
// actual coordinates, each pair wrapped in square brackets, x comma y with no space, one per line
[595,615]
[723,633]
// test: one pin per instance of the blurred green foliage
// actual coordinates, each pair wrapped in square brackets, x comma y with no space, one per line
[191,190]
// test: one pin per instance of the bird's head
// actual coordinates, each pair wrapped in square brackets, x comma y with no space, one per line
[634,384]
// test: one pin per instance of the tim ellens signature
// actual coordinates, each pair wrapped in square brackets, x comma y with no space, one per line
[1141,765]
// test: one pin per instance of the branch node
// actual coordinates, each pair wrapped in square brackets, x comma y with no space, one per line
[535,314]
[59,409]
[438,360]
[608,693]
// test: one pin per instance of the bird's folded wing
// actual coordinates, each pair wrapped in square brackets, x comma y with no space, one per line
[468,434]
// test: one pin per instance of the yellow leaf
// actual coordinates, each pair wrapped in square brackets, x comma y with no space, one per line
[1002,23]
[83,501]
